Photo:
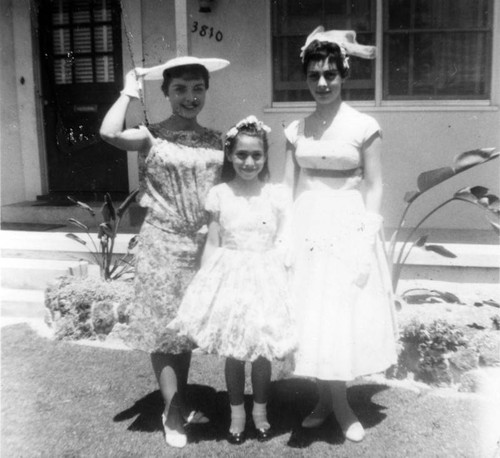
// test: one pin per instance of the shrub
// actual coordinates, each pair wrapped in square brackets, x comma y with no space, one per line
[86,308]
[429,345]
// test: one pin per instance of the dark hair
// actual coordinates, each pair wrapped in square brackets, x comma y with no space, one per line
[188,72]
[324,50]
[251,130]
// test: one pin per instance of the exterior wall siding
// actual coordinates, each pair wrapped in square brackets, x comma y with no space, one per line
[416,138]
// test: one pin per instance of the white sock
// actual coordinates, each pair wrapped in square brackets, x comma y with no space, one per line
[259,414]
[238,419]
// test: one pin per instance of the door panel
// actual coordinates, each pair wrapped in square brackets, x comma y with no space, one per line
[80,42]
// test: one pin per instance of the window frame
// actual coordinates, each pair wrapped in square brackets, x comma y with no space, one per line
[378,103]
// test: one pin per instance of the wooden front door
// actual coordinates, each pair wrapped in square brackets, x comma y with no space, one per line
[81,60]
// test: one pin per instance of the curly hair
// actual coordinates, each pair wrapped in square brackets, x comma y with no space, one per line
[324,50]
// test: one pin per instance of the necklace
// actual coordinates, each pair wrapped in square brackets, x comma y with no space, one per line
[323,121]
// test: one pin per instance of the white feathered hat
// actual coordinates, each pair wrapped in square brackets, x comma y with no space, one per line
[346,39]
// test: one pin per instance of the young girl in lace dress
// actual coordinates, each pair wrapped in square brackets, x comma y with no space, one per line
[237,304]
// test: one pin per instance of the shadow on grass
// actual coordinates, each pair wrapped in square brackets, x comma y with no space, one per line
[291,400]
[294,399]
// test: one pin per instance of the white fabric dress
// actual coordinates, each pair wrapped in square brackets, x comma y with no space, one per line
[238,303]
[344,331]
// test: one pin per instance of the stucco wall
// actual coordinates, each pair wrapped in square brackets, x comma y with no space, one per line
[414,140]
[12,176]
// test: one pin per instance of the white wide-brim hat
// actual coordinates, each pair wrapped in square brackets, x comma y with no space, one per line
[212,64]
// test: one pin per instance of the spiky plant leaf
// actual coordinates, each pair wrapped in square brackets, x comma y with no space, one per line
[421,241]
[77,223]
[76,238]
[105,229]
[462,162]
[126,203]
[468,159]
[441,250]
[410,196]
[108,210]
[82,205]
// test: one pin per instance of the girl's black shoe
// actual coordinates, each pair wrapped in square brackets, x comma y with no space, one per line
[236,438]
[264,435]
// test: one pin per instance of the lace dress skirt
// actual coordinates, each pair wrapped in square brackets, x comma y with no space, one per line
[238,306]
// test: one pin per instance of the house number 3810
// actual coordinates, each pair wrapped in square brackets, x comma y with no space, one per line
[206,31]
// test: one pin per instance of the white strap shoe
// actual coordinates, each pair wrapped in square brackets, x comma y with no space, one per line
[355,432]
[172,437]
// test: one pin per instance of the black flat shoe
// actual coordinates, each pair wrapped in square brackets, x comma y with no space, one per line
[236,438]
[264,435]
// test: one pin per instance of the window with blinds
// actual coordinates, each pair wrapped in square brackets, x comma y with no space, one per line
[82,41]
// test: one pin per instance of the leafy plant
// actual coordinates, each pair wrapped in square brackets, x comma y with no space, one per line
[86,308]
[478,196]
[432,342]
[111,267]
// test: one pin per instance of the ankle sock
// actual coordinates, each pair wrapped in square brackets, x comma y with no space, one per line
[238,419]
[259,414]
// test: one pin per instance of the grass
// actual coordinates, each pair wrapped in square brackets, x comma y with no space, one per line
[65,400]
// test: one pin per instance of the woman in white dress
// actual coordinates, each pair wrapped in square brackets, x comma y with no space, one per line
[341,290]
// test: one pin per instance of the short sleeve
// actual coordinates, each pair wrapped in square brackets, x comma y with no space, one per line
[292,132]
[372,128]
[212,202]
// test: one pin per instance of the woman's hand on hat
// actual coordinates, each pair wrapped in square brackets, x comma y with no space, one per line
[133,85]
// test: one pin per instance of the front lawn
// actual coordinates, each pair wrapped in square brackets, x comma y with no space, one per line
[66,400]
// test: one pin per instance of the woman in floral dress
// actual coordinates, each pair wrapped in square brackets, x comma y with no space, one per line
[179,161]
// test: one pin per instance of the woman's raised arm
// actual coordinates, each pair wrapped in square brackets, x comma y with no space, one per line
[112,131]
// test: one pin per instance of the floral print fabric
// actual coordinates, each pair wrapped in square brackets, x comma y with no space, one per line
[175,176]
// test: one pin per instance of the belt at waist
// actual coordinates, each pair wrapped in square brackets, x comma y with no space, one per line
[184,230]
[327,173]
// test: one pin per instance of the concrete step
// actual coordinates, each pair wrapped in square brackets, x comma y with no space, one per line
[54,245]
[56,216]
[32,274]
[473,264]
[22,303]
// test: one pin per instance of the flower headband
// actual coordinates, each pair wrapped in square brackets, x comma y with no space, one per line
[345,39]
[248,121]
